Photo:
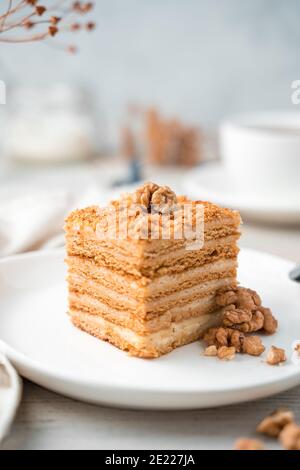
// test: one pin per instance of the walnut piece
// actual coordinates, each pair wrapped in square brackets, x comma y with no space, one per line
[270,323]
[243,311]
[226,353]
[152,194]
[233,338]
[273,424]
[241,297]
[211,351]
[224,337]
[297,349]
[253,345]
[275,356]
[234,319]
[248,444]
[290,437]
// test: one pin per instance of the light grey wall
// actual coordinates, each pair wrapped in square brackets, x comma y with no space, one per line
[201,58]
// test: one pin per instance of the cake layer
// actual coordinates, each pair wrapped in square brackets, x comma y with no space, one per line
[138,320]
[105,254]
[138,279]
[147,346]
[141,308]
[145,288]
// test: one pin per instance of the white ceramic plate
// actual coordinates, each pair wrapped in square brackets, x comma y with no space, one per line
[212,182]
[39,339]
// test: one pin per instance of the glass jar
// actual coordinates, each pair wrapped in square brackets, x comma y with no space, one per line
[51,124]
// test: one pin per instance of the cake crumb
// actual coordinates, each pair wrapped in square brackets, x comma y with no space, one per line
[273,424]
[245,443]
[290,437]
[276,356]
[211,351]
[226,353]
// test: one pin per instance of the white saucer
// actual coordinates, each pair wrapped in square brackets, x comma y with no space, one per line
[37,336]
[211,182]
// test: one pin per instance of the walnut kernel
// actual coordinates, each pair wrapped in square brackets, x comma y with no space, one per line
[152,194]
[276,356]
[248,444]
[253,345]
[273,424]
[211,351]
[226,353]
[290,437]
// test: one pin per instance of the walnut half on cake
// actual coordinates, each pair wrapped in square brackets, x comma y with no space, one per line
[143,272]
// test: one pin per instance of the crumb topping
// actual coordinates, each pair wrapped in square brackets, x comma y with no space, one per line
[150,209]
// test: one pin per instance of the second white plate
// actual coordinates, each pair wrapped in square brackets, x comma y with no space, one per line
[37,336]
[211,182]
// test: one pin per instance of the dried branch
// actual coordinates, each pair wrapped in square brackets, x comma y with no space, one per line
[48,21]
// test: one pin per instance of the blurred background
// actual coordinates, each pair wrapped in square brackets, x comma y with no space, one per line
[199,59]
[145,95]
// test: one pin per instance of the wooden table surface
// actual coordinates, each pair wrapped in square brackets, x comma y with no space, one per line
[49,421]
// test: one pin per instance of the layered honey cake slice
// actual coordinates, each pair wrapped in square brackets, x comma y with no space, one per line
[144,271]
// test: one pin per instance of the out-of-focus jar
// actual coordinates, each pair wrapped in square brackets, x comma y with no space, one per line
[50,124]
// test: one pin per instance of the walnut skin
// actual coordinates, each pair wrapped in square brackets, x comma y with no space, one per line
[275,356]
[248,444]
[290,437]
[273,424]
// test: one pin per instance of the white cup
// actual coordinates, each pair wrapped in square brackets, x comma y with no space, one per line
[261,152]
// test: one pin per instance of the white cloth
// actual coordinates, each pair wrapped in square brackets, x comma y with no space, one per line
[35,220]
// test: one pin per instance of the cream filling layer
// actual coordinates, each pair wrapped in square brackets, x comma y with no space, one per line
[138,322]
[154,287]
[149,259]
[162,303]
[159,340]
